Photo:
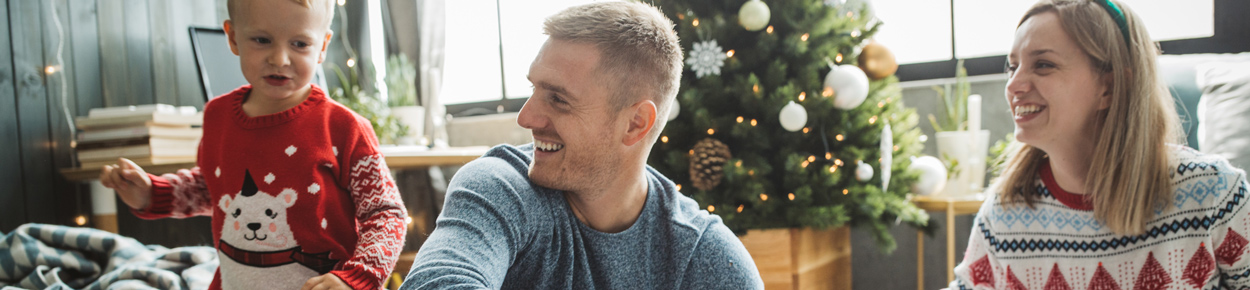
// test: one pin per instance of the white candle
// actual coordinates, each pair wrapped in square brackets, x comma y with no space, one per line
[974,113]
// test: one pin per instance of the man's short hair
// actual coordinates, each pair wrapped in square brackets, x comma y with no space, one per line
[328,5]
[640,52]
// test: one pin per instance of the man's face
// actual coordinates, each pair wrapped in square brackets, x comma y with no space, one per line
[279,44]
[577,136]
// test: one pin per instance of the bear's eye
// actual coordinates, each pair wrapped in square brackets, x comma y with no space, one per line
[237,212]
[271,214]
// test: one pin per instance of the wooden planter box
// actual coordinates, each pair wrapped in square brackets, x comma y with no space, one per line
[801,258]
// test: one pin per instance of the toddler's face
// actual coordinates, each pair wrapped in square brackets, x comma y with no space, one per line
[279,44]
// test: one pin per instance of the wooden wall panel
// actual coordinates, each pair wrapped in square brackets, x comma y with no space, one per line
[12,199]
[137,27]
[113,56]
[25,22]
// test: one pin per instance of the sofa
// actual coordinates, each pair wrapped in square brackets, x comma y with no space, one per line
[1212,93]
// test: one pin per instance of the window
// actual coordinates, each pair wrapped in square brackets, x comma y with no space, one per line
[986,27]
[474,70]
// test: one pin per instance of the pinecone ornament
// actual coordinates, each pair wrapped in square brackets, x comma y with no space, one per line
[707,163]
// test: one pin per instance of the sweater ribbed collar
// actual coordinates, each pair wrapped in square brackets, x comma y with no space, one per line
[1072,200]
[316,97]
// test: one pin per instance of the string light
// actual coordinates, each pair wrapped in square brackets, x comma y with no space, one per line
[711,131]
[791,196]
[828,155]
[711,208]
[838,162]
[838,137]
[763,197]
[755,88]
[738,164]
[81,220]
[664,139]
[695,22]
[681,16]
[804,37]
[408,220]
[855,33]
[739,208]
[804,164]
[850,14]
[827,92]
[881,104]
[833,169]
[753,122]
[837,58]
[342,2]
[678,187]
[872,120]
[924,138]
[751,172]
[802,96]
[730,53]
[811,158]
[769,29]
[351,62]
[49,70]
[895,147]
[845,191]
[806,129]
[740,119]
[691,151]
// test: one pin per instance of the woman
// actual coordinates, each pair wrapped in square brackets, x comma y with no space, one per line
[1093,194]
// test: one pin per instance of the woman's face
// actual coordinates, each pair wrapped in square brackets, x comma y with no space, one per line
[1054,91]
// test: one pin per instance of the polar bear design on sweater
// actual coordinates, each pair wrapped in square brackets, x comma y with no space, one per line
[257,246]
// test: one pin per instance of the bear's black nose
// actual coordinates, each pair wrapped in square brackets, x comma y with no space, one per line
[253,226]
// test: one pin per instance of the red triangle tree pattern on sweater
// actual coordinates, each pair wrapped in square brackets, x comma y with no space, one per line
[1199,267]
[1013,283]
[1102,280]
[1231,249]
[1055,280]
[983,272]
[1152,275]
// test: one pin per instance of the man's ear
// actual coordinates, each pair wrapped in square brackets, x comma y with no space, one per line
[641,120]
[234,45]
[324,45]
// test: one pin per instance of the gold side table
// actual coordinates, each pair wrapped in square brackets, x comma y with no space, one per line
[952,206]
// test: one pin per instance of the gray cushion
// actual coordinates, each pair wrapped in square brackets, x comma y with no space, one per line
[1224,111]
[1178,72]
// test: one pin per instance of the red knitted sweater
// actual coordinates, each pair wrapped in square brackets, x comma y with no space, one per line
[293,195]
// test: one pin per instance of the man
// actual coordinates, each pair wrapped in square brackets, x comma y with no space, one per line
[579,208]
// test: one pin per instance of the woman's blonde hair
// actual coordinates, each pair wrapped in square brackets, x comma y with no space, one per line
[1128,177]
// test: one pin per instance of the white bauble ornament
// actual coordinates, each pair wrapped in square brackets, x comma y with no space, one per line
[932,175]
[849,85]
[863,171]
[793,117]
[887,156]
[754,15]
[674,110]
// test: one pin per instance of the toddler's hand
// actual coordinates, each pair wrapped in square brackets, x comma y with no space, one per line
[129,181]
[325,282]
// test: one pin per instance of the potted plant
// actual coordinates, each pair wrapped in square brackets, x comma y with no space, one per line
[961,143]
[351,93]
[402,99]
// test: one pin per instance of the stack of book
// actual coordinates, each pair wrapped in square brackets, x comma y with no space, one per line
[146,134]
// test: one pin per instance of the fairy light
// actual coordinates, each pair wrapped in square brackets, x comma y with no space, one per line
[711,131]
[791,196]
[695,22]
[833,169]
[804,37]
[838,137]
[342,2]
[837,58]
[828,155]
[80,220]
[855,33]
[751,172]
[806,129]
[49,70]
[691,151]
[679,187]
[740,119]
[769,29]
[739,208]
[804,164]
[872,120]
[664,139]
[895,147]
[738,164]
[924,138]
[763,197]
[711,208]
[729,53]
[811,158]
[838,162]
[827,92]
[753,122]
[755,88]
[850,14]
[802,96]
[845,191]
[408,220]
[351,62]
[881,104]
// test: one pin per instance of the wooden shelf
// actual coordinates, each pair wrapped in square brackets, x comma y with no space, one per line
[968,204]
[396,158]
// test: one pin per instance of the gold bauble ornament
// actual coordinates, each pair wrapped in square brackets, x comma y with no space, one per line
[877,61]
[707,163]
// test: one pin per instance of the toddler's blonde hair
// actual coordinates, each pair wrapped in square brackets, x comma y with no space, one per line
[327,4]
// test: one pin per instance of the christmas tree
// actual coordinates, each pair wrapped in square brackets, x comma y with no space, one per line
[776,126]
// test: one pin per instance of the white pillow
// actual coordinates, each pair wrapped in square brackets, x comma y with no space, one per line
[1224,110]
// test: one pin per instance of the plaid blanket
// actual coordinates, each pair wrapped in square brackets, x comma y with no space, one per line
[40,256]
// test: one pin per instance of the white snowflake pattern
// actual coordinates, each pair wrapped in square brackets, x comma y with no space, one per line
[269,178]
[290,150]
[706,58]
[314,188]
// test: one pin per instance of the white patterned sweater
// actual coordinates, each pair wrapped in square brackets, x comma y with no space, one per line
[1197,241]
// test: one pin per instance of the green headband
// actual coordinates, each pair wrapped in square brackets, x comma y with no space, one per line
[1118,16]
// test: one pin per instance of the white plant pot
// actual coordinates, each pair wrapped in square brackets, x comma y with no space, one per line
[414,118]
[970,150]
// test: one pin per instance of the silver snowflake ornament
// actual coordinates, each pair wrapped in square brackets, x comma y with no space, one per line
[706,58]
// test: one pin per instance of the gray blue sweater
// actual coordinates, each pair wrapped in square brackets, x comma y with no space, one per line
[499,231]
